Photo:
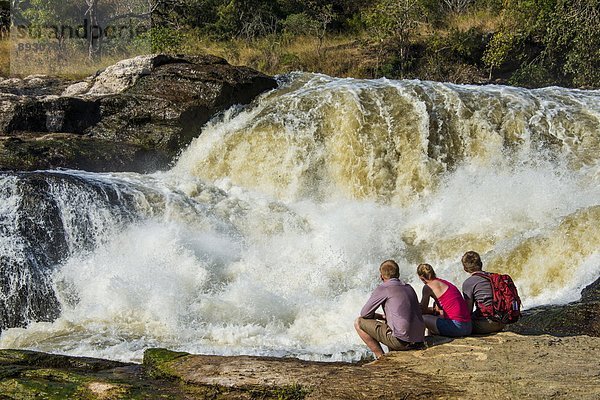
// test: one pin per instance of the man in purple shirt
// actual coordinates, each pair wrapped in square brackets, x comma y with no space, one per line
[401,327]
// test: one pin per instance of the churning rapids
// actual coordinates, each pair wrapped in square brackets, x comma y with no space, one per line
[265,237]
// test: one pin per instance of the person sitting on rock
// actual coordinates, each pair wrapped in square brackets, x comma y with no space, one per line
[401,327]
[450,315]
[477,289]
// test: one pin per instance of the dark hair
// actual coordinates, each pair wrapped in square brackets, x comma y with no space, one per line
[471,262]
[389,269]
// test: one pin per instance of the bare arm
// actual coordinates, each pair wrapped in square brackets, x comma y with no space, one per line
[427,294]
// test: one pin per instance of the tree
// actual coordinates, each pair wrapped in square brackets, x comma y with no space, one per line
[558,39]
[247,19]
[393,22]
[4,18]
[324,15]
[457,6]
[104,13]
[498,50]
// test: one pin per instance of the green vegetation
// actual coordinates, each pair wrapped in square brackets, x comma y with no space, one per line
[520,42]
[554,41]
[32,375]
[157,362]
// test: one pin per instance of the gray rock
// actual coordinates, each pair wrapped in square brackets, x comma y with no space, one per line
[155,104]
[591,293]
[34,85]
[50,151]
[41,235]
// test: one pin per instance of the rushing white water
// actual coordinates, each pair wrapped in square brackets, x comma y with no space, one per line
[266,236]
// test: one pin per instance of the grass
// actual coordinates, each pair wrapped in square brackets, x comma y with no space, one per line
[341,55]
[484,20]
[4,57]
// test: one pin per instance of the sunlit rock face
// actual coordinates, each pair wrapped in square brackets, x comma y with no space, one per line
[138,113]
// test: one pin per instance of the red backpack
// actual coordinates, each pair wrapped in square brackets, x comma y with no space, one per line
[506,304]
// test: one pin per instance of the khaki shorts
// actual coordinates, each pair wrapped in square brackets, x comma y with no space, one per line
[483,326]
[381,332]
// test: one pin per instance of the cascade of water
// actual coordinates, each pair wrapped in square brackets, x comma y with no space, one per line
[266,235]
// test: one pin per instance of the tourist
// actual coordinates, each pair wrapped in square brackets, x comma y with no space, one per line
[477,290]
[450,315]
[401,327]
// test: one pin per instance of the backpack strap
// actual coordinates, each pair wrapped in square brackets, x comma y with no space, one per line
[483,310]
[483,275]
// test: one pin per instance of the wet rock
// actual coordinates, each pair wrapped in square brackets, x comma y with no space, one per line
[51,151]
[569,320]
[149,107]
[591,292]
[37,359]
[45,217]
[577,318]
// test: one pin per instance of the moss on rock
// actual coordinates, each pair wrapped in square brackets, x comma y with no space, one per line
[156,363]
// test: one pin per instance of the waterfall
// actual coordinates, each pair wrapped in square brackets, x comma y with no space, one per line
[265,236]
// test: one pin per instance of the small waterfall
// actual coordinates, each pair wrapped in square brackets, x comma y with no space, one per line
[46,217]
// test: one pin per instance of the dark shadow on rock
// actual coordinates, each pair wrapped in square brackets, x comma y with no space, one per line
[578,318]
[436,340]
[53,151]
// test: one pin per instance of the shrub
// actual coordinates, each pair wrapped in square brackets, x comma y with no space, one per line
[162,39]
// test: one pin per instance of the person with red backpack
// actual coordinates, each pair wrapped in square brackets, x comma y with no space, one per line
[494,296]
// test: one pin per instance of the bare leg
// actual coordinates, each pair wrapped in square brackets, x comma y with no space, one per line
[431,323]
[371,343]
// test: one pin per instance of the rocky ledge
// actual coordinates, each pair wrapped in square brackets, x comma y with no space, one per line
[136,115]
[577,318]
[506,365]
[501,366]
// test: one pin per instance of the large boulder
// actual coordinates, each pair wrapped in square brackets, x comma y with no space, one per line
[138,113]
[577,318]
[49,151]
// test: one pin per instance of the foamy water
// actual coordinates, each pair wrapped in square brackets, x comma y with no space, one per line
[265,238]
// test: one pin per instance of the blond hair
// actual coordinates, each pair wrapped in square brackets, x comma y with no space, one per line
[426,271]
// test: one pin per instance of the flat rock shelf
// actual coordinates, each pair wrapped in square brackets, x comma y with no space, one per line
[500,366]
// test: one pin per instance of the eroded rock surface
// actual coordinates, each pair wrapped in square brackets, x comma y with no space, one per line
[507,365]
[137,114]
[501,366]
